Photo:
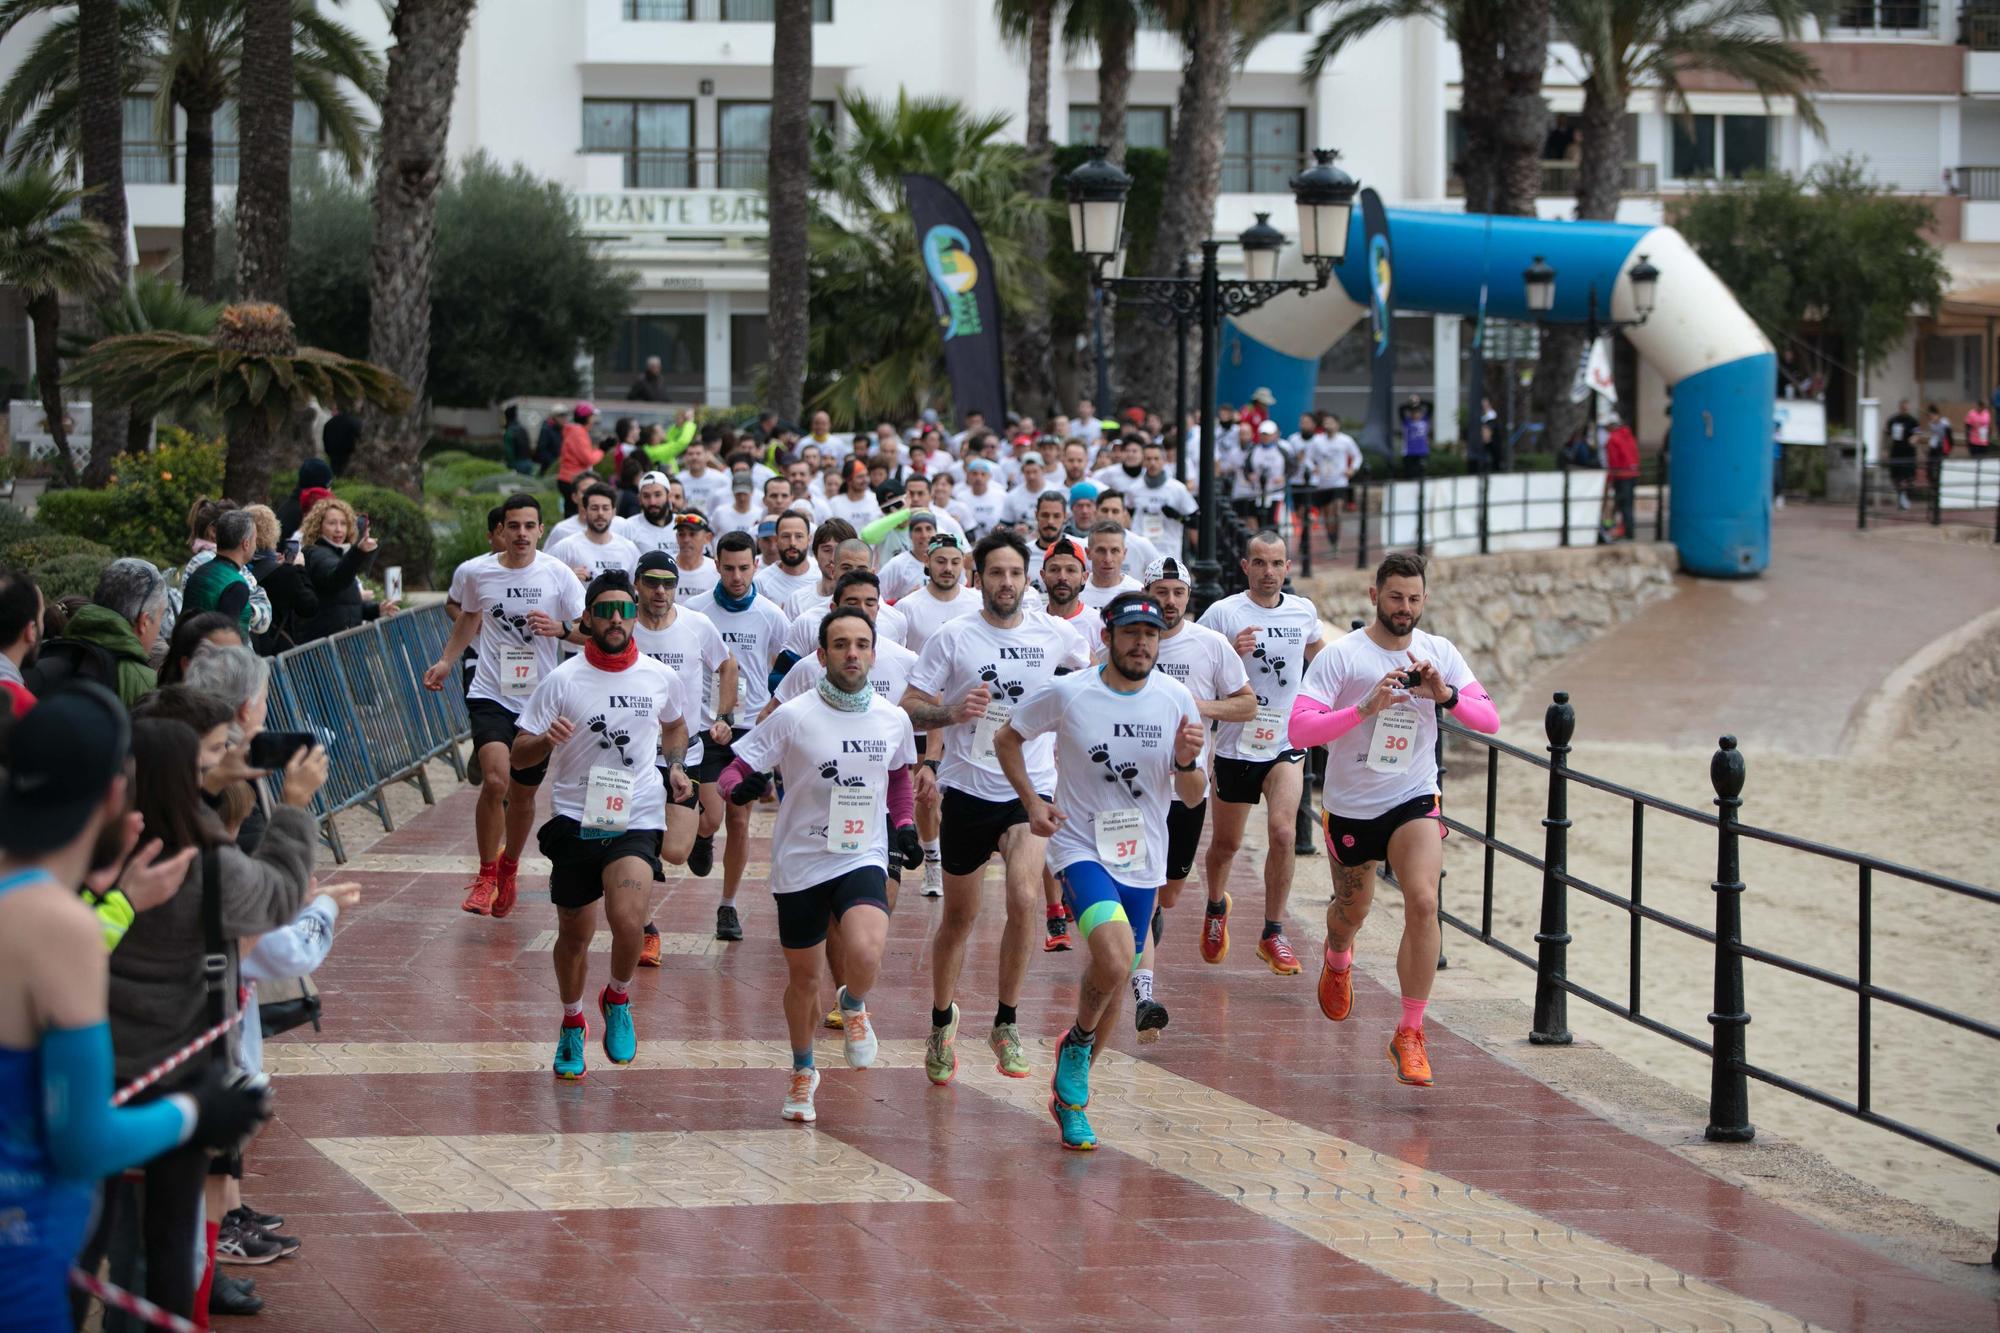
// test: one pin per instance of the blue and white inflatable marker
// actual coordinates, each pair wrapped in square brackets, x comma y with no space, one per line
[1722,369]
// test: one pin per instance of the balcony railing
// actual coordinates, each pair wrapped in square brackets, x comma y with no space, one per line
[1260,173]
[715,11]
[162,164]
[1902,18]
[1559,180]
[693,168]
[1979,27]
[1979,183]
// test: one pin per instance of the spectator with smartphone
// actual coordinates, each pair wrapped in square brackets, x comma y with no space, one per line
[280,571]
[338,550]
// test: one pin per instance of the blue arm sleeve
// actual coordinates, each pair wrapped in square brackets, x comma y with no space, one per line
[88,1137]
[781,668]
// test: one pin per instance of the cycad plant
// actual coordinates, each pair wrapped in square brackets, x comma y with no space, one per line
[251,372]
[152,303]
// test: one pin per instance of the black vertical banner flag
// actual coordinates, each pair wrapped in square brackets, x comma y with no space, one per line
[964,294]
[1377,433]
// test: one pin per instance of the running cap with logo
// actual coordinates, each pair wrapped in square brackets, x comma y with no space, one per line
[660,567]
[61,759]
[945,541]
[1068,546]
[1167,567]
[653,479]
[1133,608]
[693,518]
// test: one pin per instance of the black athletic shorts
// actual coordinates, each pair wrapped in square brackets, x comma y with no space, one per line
[1355,842]
[1241,781]
[715,758]
[496,724]
[576,863]
[1183,836]
[803,916]
[969,829]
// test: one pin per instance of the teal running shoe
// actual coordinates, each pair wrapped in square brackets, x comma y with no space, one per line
[621,1041]
[1077,1135]
[1071,1085]
[569,1050]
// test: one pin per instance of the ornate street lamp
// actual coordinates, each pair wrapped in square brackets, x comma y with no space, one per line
[1325,196]
[1540,281]
[1261,243]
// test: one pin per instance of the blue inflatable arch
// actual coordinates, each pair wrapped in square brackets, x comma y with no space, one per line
[1721,368]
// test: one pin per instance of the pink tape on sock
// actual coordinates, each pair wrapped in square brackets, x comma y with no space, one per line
[1413,1013]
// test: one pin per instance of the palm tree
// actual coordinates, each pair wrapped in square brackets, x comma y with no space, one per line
[1031,24]
[47,249]
[1109,27]
[101,135]
[788,186]
[151,303]
[409,173]
[875,350]
[264,121]
[188,54]
[251,372]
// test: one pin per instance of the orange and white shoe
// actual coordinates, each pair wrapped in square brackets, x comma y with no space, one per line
[1276,951]
[1336,991]
[649,950]
[1215,933]
[1407,1054]
[503,895]
[479,896]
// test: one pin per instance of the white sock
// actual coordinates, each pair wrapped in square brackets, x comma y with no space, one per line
[1142,984]
[573,1010]
[931,849]
[620,987]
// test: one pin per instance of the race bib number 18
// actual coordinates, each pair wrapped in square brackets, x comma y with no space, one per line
[607,800]
[1393,744]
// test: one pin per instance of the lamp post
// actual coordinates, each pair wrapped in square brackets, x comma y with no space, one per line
[1325,198]
[1538,283]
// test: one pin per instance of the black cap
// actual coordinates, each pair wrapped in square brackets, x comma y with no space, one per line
[659,562]
[1133,608]
[62,758]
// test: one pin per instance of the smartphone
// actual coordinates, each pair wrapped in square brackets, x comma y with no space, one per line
[360,526]
[272,750]
[291,547]
[392,584]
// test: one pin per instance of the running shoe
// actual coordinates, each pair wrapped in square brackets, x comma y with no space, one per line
[1407,1054]
[941,1051]
[1149,1017]
[249,1216]
[799,1097]
[1008,1057]
[701,856]
[1058,937]
[1336,991]
[857,1035]
[728,926]
[244,1245]
[287,1245]
[503,894]
[1077,1135]
[479,896]
[933,878]
[649,949]
[1071,1083]
[233,1296]
[1276,951]
[834,1020]
[621,1039]
[1215,933]
[569,1050]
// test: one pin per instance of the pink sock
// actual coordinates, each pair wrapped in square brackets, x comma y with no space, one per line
[1413,1014]
[1341,961]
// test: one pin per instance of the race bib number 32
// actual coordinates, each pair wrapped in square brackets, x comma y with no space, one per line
[851,813]
[1393,743]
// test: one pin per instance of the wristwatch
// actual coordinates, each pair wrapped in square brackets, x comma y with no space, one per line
[1179,767]
[931,764]
[566,630]
[1452,702]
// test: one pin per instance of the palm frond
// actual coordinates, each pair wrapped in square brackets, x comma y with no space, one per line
[1355,19]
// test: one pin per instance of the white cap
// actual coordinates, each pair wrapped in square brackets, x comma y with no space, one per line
[654,479]
[1269,427]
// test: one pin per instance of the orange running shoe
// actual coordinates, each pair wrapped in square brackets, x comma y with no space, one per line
[503,896]
[1215,933]
[1336,992]
[479,896]
[1277,952]
[649,950]
[1407,1054]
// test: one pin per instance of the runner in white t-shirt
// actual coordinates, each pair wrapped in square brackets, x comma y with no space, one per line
[1276,634]
[981,506]
[1139,552]
[844,756]
[692,536]
[516,605]
[1126,736]
[794,572]
[598,547]
[705,485]
[753,627]
[942,598]
[609,718]
[970,676]
[1107,566]
[1064,567]
[1161,505]
[1372,698]
[854,502]
[890,625]
[652,528]
[805,607]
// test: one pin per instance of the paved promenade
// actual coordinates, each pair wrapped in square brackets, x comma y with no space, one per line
[1260,1166]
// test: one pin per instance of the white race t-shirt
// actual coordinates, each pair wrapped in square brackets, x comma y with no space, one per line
[978,514]
[615,552]
[562,532]
[860,511]
[730,519]
[1114,755]
[1149,505]
[1012,664]
[1204,663]
[617,715]
[773,582]
[802,640]
[693,648]
[710,492]
[648,536]
[1139,552]
[1358,785]
[696,580]
[826,757]
[1096,598]
[926,613]
[754,636]
[890,675]
[901,575]
[502,598]
[1274,668]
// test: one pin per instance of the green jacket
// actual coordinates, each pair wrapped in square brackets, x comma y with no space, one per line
[111,632]
[218,585]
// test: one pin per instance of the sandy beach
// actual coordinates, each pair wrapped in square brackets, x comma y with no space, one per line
[1922,799]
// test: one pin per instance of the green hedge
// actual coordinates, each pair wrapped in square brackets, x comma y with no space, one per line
[144,511]
[31,551]
[69,574]
[400,525]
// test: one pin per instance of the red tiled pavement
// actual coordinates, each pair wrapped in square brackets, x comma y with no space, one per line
[1031,1236]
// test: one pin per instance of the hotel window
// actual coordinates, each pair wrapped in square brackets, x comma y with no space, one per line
[678,340]
[1709,146]
[1262,149]
[1145,126]
[743,141]
[656,139]
[148,161]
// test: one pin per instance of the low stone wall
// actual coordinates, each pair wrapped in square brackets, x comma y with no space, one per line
[1514,612]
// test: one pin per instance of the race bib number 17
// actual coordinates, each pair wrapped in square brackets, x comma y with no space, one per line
[519,671]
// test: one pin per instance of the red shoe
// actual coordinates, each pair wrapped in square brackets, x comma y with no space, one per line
[1336,992]
[1057,940]
[1277,953]
[1407,1054]
[479,896]
[503,896]
[1215,933]
[649,952]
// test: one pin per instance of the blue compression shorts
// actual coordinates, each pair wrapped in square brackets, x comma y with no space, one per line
[1095,898]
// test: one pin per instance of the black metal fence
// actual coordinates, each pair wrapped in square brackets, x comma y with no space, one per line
[1731,1069]
[1955,490]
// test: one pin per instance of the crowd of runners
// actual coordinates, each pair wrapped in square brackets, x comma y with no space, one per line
[911,683]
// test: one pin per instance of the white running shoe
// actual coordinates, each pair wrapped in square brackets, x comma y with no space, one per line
[799,1097]
[857,1036]
[933,879]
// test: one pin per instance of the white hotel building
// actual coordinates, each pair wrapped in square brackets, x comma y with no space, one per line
[653,114]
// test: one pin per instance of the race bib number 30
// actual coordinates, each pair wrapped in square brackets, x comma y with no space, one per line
[607,800]
[1393,744]
[519,671]
[1121,840]
[983,731]
[851,813]
[1265,734]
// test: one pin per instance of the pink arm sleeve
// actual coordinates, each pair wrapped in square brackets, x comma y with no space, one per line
[1475,709]
[1313,723]
[902,799]
[735,773]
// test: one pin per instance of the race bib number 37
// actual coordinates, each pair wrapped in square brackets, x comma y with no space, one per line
[1121,839]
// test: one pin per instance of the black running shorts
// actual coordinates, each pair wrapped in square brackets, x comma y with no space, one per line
[1241,781]
[496,724]
[1356,842]
[577,863]
[803,915]
[969,830]
[1183,836]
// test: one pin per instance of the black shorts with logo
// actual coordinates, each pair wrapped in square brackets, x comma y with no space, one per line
[715,758]
[1183,836]
[497,724]
[969,829]
[1241,781]
[576,863]
[1356,842]
[803,916]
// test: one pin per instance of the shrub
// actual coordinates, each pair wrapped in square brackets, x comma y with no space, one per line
[442,448]
[1534,462]
[401,527]
[144,511]
[69,574]
[16,523]
[29,552]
